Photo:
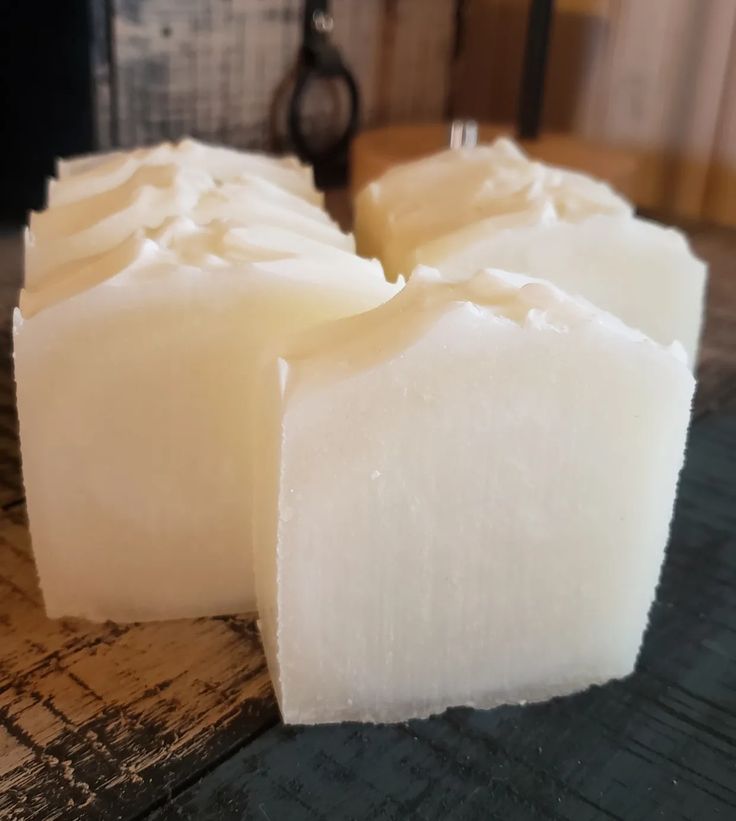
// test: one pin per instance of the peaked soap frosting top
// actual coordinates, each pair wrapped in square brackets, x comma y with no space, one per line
[420,201]
[494,296]
[88,175]
[186,198]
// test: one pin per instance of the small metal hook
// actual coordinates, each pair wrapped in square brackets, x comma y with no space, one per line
[463,134]
[322,22]
[320,60]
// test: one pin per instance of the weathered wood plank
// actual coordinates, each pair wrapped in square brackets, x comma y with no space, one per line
[105,721]
[661,744]
[212,69]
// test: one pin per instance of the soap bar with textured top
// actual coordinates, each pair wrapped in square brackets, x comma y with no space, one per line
[414,203]
[491,207]
[153,282]
[466,498]
[134,398]
[641,272]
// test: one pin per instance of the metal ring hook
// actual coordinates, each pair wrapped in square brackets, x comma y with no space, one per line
[319,59]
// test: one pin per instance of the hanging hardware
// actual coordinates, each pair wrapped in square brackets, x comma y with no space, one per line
[319,60]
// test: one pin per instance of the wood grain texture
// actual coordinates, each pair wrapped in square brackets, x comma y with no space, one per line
[106,721]
[486,76]
[660,744]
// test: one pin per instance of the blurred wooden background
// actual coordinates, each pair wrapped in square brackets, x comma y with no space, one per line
[657,76]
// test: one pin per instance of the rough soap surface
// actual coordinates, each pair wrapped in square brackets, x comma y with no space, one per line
[155,282]
[469,500]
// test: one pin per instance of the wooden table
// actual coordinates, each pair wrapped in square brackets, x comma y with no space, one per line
[177,720]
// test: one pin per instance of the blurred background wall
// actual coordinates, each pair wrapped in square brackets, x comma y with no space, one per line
[655,76]
[212,68]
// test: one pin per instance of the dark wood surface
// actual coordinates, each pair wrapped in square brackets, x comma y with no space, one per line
[177,720]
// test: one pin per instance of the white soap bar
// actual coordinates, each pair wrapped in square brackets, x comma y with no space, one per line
[637,270]
[466,500]
[415,202]
[153,281]
[135,377]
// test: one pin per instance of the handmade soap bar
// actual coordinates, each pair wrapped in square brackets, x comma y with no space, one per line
[134,396]
[418,201]
[466,499]
[153,282]
[640,271]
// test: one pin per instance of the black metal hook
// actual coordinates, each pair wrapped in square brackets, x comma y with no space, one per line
[318,60]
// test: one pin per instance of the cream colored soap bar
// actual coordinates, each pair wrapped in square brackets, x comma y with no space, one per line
[638,270]
[153,282]
[134,397]
[466,498]
[414,203]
